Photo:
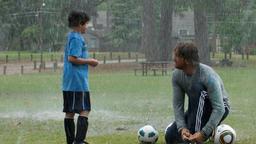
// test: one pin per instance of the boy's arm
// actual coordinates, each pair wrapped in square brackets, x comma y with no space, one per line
[81,61]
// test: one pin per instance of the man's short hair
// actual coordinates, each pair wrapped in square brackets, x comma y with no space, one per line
[75,18]
[188,51]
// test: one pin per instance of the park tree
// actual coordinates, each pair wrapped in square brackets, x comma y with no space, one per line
[157,31]
[23,18]
[215,10]
[247,22]
[165,32]
[212,18]
[125,34]
[201,30]
[235,26]
[9,24]
[228,27]
[149,30]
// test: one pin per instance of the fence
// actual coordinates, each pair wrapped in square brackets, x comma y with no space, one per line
[10,57]
[50,62]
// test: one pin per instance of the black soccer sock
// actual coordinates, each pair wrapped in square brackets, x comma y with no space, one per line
[69,126]
[81,128]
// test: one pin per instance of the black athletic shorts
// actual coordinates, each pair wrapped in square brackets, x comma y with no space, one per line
[75,102]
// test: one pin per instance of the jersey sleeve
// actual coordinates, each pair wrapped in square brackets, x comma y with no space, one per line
[75,47]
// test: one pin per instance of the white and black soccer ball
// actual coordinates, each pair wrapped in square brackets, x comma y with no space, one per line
[224,134]
[147,135]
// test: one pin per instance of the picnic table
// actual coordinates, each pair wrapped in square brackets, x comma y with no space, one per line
[152,66]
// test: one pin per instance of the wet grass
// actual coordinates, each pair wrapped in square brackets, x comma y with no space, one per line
[31,105]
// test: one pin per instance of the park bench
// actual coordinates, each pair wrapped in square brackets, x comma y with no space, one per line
[136,70]
[152,66]
[226,62]
[162,70]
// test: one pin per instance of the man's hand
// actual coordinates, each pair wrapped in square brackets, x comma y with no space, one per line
[197,137]
[185,134]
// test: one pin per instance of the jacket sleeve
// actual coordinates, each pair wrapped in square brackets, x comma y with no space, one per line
[215,96]
[178,102]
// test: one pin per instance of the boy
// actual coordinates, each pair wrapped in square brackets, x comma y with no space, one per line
[75,86]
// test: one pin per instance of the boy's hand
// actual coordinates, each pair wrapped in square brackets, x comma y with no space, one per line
[93,62]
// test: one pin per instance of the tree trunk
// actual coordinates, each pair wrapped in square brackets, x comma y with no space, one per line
[88,6]
[149,30]
[201,31]
[218,11]
[76,5]
[214,35]
[165,35]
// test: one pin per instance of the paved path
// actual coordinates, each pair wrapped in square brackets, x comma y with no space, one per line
[28,67]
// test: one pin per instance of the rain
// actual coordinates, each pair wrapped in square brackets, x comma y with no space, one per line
[133,41]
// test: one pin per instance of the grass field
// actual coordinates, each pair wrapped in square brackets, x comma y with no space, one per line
[31,105]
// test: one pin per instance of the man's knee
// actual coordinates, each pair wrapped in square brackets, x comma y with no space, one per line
[171,134]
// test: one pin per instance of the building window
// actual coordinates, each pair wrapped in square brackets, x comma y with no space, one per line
[183,32]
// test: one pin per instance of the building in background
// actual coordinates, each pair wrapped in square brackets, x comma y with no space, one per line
[183,28]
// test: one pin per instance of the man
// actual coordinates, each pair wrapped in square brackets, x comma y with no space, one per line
[75,86]
[207,99]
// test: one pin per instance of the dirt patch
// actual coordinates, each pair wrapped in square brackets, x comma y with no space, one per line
[30,67]
[114,67]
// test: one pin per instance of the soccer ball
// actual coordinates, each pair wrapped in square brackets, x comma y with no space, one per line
[147,135]
[224,134]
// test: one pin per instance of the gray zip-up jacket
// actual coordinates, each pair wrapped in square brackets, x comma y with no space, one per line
[207,99]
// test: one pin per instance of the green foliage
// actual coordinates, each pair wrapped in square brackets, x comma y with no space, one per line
[30,35]
[235,25]
[24,23]
[18,20]
[30,32]
[229,25]
[126,29]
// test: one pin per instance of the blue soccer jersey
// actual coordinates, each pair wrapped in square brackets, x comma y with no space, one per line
[75,77]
